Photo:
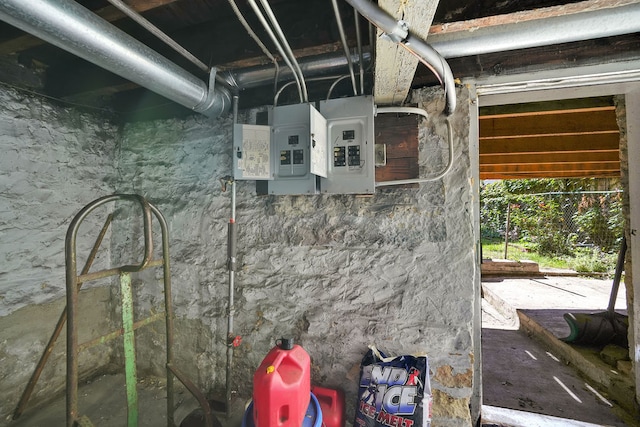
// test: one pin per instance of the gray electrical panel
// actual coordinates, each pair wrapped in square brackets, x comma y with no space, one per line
[306,151]
[351,154]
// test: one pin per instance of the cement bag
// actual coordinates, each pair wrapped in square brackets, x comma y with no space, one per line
[393,391]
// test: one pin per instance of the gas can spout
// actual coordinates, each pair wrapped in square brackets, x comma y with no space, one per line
[285,343]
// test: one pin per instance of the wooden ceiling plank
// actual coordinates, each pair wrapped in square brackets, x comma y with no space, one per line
[542,106]
[549,124]
[530,175]
[546,167]
[548,112]
[574,157]
[550,144]
[551,135]
[108,13]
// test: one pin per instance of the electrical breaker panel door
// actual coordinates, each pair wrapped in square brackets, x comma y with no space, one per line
[318,127]
[252,152]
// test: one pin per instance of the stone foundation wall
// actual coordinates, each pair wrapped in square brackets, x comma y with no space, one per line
[336,273]
[53,161]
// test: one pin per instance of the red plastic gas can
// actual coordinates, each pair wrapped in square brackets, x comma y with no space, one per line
[332,405]
[282,386]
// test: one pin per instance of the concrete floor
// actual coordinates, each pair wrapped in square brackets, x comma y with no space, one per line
[529,376]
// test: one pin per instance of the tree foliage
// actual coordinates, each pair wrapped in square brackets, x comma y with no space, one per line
[553,216]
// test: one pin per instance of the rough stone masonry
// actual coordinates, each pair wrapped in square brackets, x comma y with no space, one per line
[336,273]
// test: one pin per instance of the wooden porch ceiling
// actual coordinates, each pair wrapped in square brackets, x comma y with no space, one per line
[571,142]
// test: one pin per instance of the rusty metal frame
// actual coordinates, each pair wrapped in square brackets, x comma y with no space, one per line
[26,395]
[73,280]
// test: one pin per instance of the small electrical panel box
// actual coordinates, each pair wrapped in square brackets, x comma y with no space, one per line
[350,133]
[252,152]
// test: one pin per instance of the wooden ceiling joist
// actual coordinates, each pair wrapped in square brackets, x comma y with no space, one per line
[108,13]
[551,144]
[576,142]
[553,174]
[528,124]
[551,158]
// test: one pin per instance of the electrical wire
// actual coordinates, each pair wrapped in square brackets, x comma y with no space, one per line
[333,86]
[286,85]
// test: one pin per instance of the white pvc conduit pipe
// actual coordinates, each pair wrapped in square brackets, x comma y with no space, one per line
[423,113]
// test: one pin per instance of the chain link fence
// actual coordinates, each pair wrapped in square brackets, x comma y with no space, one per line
[556,223]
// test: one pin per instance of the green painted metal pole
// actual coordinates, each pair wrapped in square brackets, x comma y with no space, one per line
[129,350]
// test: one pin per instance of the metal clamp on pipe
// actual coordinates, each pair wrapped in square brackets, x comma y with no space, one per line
[399,33]
[414,44]
[216,100]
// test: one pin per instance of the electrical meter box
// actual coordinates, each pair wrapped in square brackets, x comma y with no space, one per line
[289,154]
[350,133]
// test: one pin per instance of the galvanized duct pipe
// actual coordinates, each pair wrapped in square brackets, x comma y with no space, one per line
[261,75]
[75,29]
[399,33]
[595,24]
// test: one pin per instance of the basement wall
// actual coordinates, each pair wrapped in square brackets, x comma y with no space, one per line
[53,161]
[336,273]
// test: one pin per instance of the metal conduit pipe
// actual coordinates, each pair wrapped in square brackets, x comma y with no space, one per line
[286,85]
[359,44]
[398,32]
[343,39]
[287,47]
[76,29]
[595,24]
[256,39]
[278,46]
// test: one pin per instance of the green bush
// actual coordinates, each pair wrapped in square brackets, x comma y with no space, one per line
[556,218]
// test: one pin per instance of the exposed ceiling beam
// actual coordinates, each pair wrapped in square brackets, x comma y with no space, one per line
[550,157]
[553,166]
[395,67]
[601,119]
[108,13]
[532,143]
[527,15]
[551,174]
